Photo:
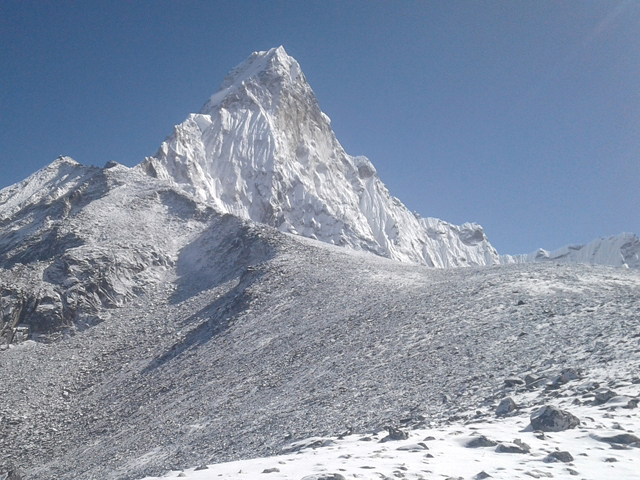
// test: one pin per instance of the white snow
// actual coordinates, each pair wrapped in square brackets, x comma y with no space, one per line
[446,454]
[621,250]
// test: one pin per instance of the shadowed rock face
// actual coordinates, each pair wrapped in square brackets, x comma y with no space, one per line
[76,241]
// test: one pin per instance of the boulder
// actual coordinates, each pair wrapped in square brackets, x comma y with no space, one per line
[395,434]
[513,382]
[11,474]
[513,448]
[564,457]
[621,439]
[506,406]
[481,441]
[552,419]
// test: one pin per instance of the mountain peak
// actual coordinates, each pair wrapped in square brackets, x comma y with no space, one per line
[262,149]
[63,160]
[273,67]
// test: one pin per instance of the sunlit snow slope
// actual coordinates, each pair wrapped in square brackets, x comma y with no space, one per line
[617,251]
[262,149]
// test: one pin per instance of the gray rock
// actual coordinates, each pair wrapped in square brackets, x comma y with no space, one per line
[565,377]
[571,374]
[395,434]
[622,439]
[271,470]
[482,475]
[534,382]
[603,396]
[513,382]
[481,441]
[552,419]
[506,406]
[564,457]
[12,474]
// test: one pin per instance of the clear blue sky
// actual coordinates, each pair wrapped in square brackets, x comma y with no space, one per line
[521,116]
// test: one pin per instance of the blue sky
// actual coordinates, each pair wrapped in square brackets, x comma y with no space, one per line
[521,116]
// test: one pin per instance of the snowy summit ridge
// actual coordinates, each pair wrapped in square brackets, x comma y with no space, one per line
[262,149]
[621,250]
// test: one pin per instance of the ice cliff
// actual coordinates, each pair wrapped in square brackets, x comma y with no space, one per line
[617,251]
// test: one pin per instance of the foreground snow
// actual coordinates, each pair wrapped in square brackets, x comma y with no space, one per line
[441,451]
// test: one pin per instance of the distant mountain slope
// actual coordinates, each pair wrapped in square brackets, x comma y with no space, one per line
[76,241]
[262,149]
[617,251]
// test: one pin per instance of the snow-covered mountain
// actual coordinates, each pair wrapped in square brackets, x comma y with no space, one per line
[621,250]
[157,318]
[262,149]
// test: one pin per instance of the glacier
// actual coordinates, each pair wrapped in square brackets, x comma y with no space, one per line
[621,250]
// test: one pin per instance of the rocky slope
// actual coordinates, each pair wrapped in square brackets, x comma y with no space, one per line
[262,149]
[265,338]
[76,241]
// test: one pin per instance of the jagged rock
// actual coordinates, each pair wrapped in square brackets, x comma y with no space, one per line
[481,441]
[552,419]
[324,476]
[572,472]
[603,396]
[271,470]
[564,457]
[516,447]
[414,447]
[395,434]
[313,442]
[482,475]
[534,382]
[506,406]
[202,467]
[622,439]
[12,474]
[570,374]
[513,382]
